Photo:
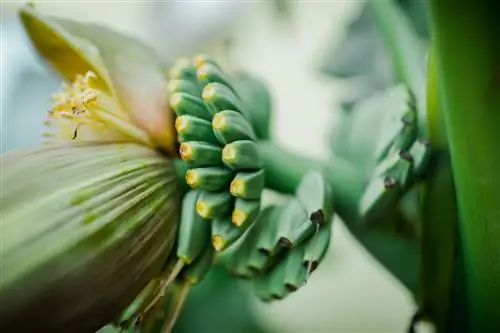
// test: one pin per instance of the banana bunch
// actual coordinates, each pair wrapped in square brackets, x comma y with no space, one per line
[286,243]
[217,143]
[278,253]
[221,220]
[401,160]
[279,246]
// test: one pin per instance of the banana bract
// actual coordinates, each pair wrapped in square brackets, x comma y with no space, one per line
[88,220]
[85,227]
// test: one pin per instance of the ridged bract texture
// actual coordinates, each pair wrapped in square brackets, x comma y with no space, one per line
[84,227]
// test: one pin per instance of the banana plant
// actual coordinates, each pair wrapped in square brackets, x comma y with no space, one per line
[151,177]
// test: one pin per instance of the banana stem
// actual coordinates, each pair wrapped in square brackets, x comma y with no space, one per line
[284,170]
[468,66]
[439,218]
[177,304]
[439,211]
[438,269]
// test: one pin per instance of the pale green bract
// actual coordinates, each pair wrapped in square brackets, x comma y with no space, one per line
[89,224]
[88,220]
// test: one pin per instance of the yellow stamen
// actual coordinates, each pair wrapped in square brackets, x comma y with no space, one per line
[192,178]
[237,187]
[238,217]
[218,243]
[208,93]
[186,151]
[203,209]
[229,153]
[219,122]
[83,112]
[181,124]
[73,108]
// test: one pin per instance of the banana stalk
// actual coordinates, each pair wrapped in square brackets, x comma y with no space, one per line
[467,56]
[438,267]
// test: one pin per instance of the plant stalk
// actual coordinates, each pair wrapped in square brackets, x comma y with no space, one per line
[439,209]
[466,36]
[439,221]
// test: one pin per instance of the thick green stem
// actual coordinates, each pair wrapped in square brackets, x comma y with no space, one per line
[439,221]
[468,50]
[439,210]
[284,170]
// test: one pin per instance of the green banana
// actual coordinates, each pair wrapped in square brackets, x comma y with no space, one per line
[200,154]
[230,126]
[214,204]
[248,185]
[211,179]
[190,128]
[194,231]
[241,155]
[184,103]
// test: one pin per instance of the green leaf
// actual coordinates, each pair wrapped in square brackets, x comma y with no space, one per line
[362,52]
[349,57]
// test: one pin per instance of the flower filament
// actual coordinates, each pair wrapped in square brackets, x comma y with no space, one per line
[82,112]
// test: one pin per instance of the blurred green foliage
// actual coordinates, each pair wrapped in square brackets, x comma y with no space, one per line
[362,54]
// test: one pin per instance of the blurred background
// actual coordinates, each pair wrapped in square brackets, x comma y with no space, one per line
[286,44]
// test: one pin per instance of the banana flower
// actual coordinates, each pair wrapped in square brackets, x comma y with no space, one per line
[89,217]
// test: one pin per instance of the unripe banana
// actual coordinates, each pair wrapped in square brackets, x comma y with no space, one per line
[211,74]
[248,185]
[241,155]
[187,104]
[230,126]
[214,204]
[194,231]
[198,154]
[183,86]
[211,179]
[191,128]
[221,97]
